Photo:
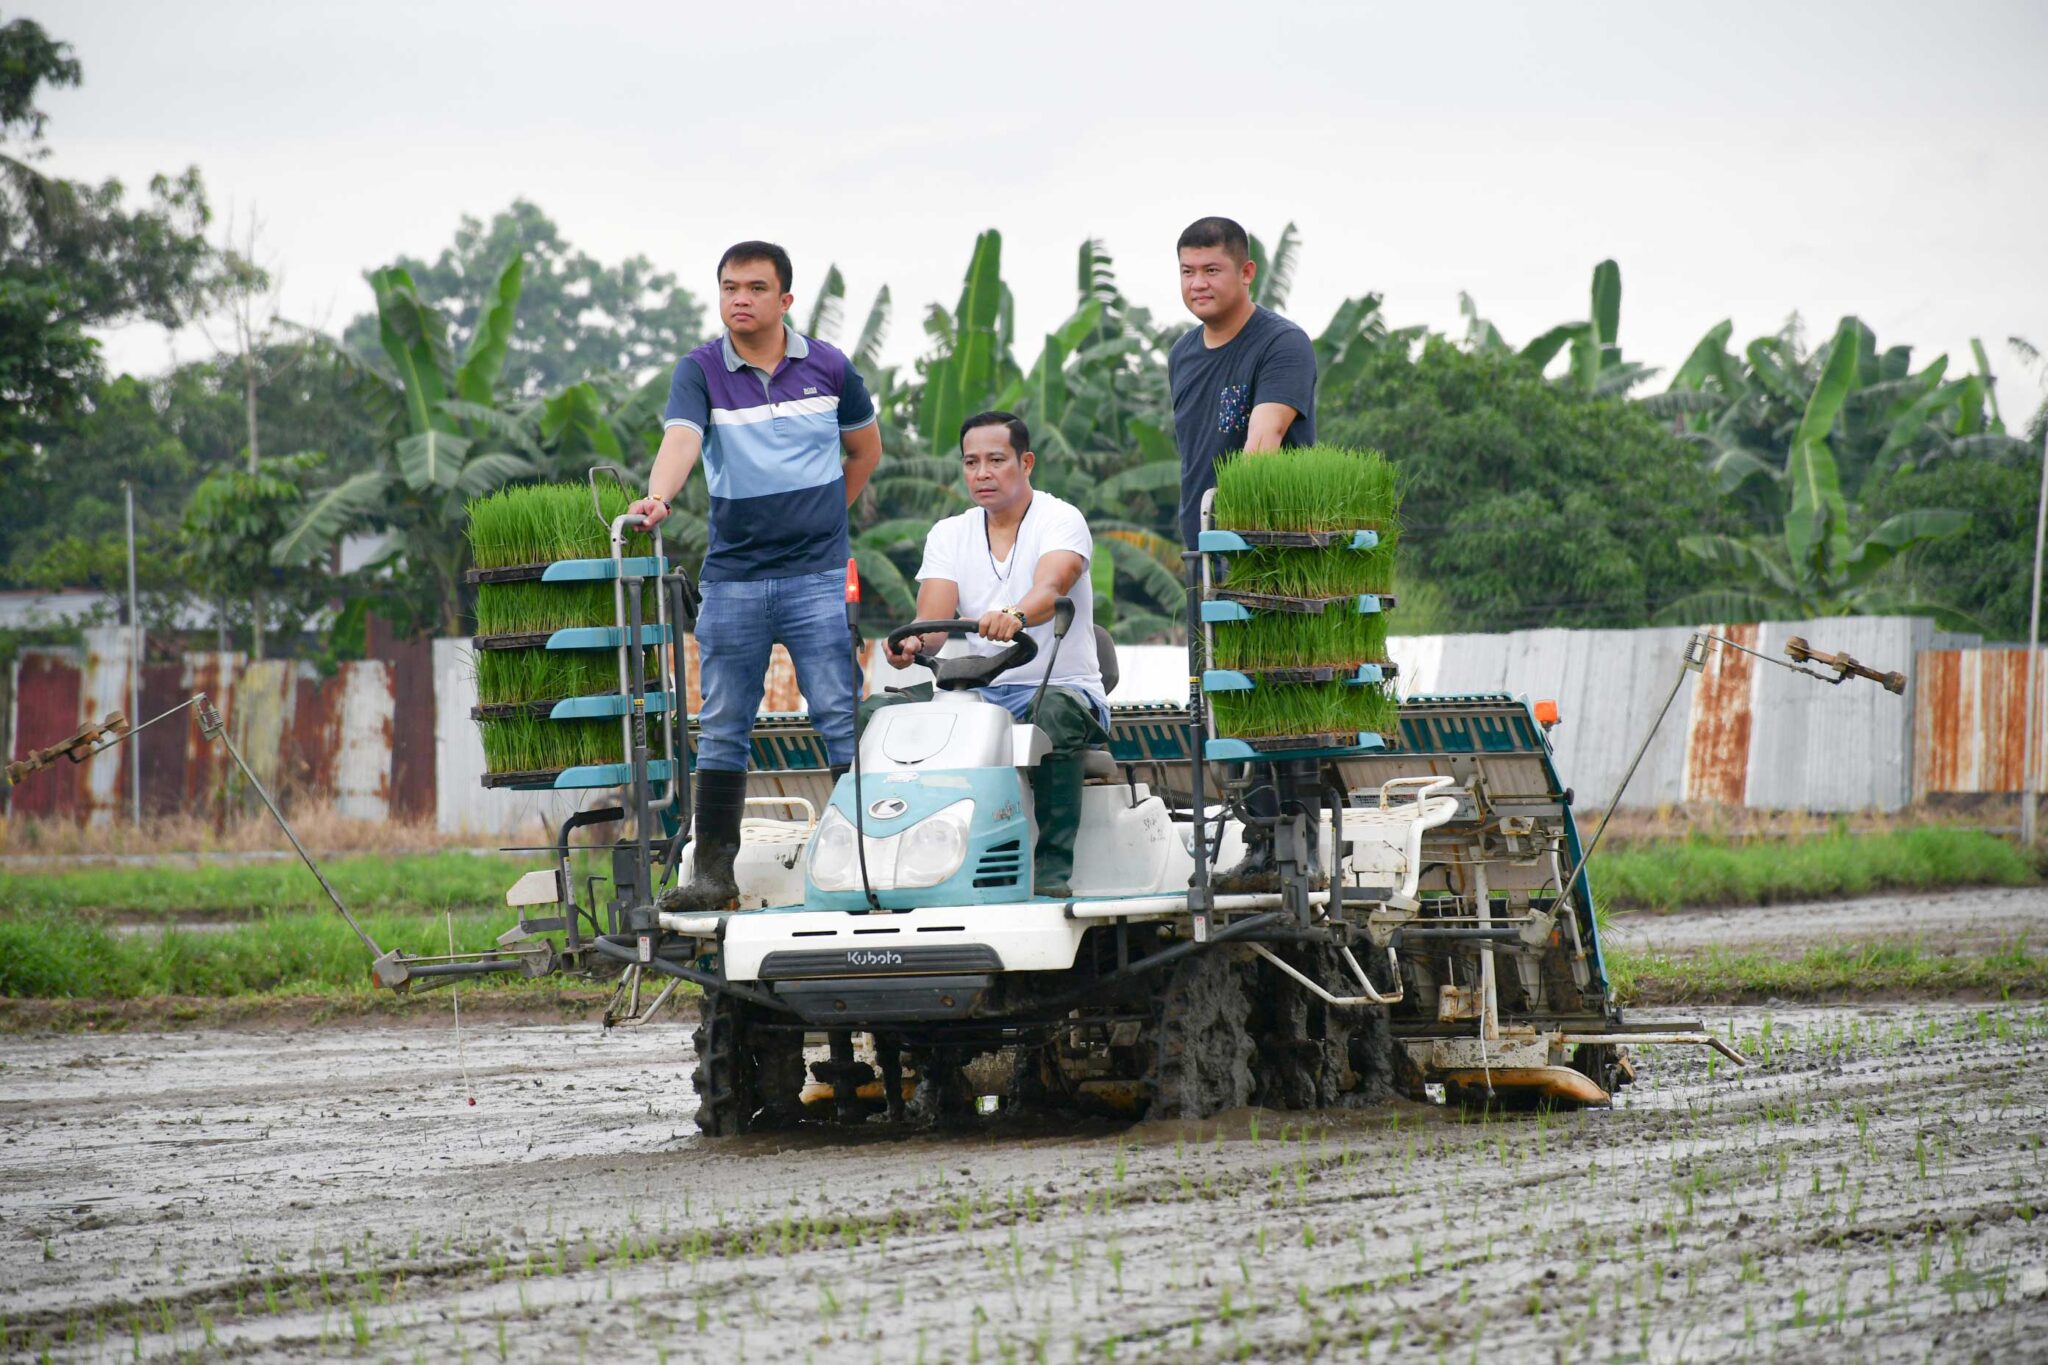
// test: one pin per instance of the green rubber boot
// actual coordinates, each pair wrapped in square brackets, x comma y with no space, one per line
[1056,798]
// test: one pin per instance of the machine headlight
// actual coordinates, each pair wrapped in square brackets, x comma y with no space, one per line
[833,862]
[934,848]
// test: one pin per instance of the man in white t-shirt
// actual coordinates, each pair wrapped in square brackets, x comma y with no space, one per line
[1004,563]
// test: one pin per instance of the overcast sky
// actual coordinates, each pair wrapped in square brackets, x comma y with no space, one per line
[1738,160]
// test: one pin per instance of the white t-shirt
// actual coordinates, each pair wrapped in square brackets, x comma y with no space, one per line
[957,549]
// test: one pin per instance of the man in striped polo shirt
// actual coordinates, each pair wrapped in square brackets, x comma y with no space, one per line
[768,410]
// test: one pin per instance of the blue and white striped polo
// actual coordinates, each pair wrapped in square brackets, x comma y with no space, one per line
[771,454]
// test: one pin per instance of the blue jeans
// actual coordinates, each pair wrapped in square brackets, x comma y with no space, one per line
[738,623]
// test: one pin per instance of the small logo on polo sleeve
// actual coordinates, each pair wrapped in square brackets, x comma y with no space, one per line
[810,392]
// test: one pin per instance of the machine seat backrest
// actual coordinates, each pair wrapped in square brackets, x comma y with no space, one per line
[1105,656]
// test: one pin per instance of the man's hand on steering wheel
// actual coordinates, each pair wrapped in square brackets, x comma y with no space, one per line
[911,652]
[1000,625]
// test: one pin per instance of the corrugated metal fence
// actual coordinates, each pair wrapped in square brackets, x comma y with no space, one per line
[391,738]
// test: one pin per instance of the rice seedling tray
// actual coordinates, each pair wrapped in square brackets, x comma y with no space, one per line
[1241,542]
[1341,744]
[566,779]
[571,571]
[604,706]
[576,637]
[1224,605]
[1246,679]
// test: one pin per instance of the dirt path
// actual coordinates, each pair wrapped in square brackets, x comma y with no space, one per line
[1979,918]
[1866,1191]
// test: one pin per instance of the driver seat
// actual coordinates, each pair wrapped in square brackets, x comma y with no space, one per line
[1096,764]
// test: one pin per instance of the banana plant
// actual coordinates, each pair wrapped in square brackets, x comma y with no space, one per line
[440,448]
[1818,569]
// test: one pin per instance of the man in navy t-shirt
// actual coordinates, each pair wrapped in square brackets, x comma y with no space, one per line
[1245,380]
[768,410]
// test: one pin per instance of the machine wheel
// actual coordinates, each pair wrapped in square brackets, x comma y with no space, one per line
[1201,1042]
[746,1079]
[1313,1056]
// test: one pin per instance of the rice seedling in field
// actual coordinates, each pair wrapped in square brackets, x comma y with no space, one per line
[1313,573]
[540,523]
[1304,709]
[514,675]
[1281,639]
[536,744]
[1316,488]
[511,608]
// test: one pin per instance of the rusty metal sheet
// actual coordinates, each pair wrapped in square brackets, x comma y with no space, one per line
[165,746]
[46,709]
[207,764]
[365,753]
[312,736]
[1969,722]
[1718,728]
[103,688]
[409,683]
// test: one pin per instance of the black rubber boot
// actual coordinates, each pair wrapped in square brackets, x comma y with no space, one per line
[1056,800]
[721,800]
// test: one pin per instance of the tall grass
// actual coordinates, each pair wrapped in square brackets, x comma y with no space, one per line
[48,955]
[540,523]
[1703,872]
[1282,639]
[373,882]
[1304,709]
[1316,488]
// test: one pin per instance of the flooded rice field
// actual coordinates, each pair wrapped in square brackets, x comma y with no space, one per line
[1867,1190]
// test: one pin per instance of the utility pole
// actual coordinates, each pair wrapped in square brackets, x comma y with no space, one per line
[2033,703]
[134,667]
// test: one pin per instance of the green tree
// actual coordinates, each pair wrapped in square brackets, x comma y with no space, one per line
[440,424]
[1822,569]
[1524,503]
[578,318]
[72,256]
[233,518]
[1743,412]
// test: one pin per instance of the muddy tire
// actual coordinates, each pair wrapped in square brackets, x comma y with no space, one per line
[1313,1056]
[746,1079]
[1201,1043]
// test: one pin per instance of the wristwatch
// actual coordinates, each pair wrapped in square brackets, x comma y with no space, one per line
[1016,611]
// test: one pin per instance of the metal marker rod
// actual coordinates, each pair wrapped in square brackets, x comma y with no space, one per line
[220,730]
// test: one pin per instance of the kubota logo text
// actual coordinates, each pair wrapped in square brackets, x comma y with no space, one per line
[873,957]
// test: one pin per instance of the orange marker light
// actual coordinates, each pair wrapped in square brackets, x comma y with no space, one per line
[1546,713]
[853,581]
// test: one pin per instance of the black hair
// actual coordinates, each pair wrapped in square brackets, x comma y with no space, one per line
[760,251]
[1020,435]
[1223,232]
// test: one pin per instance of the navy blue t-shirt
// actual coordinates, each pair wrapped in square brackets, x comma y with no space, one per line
[1214,392]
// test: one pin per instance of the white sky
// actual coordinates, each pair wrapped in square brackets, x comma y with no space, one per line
[1739,160]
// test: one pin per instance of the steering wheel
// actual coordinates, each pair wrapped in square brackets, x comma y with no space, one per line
[971,670]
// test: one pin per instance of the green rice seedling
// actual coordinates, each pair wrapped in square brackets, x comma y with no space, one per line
[1313,573]
[1285,639]
[1316,488]
[1304,709]
[532,744]
[541,523]
[519,608]
[516,675]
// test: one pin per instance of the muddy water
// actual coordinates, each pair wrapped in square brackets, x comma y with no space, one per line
[1868,1190]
